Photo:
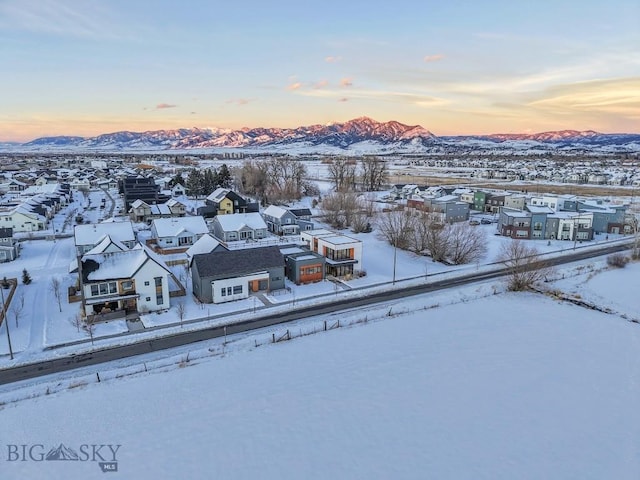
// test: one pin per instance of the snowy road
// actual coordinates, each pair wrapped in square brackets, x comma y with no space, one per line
[60,364]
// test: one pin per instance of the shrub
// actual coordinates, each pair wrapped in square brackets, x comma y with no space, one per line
[617,260]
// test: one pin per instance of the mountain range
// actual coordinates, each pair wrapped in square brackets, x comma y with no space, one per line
[360,135]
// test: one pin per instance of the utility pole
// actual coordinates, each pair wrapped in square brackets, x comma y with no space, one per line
[395,250]
[6,322]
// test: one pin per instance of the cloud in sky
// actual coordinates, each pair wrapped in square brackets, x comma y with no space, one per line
[346,82]
[294,86]
[321,84]
[238,101]
[162,106]
[332,59]
[433,58]
[343,99]
[87,19]
[619,96]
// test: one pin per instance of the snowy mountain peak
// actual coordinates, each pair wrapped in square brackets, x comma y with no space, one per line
[359,135]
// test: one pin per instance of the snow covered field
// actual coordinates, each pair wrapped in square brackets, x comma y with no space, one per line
[501,387]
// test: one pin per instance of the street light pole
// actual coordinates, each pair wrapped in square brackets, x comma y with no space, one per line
[6,322]
[395,249]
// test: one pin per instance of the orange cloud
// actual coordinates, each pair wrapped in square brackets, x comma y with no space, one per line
[433,58]
[294,86]
[346,82]
[332,59]
[343,99]
[321,84]
[162,106]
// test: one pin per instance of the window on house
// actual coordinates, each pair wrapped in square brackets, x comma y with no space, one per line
[537,226]
[159,299]
[229,290]
[128,285]
[148,299]
[237,289]
[158,281]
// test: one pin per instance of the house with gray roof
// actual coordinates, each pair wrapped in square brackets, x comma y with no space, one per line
[223,276]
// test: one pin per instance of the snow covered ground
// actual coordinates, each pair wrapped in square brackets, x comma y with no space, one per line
[458,384]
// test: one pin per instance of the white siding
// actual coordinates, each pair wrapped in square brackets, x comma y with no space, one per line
[147,273]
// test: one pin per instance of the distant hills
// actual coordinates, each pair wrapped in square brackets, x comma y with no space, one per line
[360,135]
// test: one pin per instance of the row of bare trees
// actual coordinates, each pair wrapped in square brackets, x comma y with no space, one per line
[425,233]
[274,180]
[347,174]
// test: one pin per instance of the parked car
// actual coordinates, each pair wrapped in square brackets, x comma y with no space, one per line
[474,222]
[485,221]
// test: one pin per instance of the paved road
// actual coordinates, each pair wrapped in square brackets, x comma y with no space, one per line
[60,364]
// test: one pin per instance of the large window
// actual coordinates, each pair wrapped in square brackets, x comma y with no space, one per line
[237,289]
[106,288]
[344,254]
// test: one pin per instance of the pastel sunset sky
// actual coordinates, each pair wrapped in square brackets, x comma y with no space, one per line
[85,67]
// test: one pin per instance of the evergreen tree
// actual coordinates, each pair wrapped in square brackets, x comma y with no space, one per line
[177,179]
[26,278]
[209,181]
[224,177]
[195,183]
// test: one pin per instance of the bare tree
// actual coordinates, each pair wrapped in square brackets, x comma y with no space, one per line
[373,173]
[181,309]
[273,179]
[523,264]
[16,311]
[465,244]
[340,209]
[90,328]
[342,172]
[396,227]
[76,321]
[55,287]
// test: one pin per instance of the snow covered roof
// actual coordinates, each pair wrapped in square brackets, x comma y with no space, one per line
[218,195]
[172,227]
[205,244]
[292,250]
[274,211]
[160,209]
[236,221]
[94,233]
[138,203]
[447,199]
[114,265]
[173,202]
[107,244]
[338,239]
[319,232]
[540,209]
